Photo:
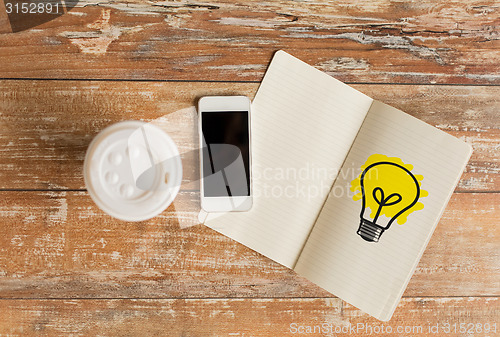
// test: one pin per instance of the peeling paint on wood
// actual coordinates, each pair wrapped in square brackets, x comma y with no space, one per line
[424,42]
[238,317]
[47,126]
[62,259]
[60,245]
[101,35]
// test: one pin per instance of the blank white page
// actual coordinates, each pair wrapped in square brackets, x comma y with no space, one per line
[373,275]
[303,123]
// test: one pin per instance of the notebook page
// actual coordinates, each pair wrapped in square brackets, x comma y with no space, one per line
[373,275]
[303,123]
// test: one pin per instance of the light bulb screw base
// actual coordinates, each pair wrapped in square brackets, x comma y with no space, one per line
[370,231]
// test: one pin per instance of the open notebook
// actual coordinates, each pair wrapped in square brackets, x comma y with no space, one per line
[347,190]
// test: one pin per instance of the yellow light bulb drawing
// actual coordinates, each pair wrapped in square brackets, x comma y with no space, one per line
[389,191]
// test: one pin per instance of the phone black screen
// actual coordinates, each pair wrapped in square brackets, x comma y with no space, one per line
[226,157]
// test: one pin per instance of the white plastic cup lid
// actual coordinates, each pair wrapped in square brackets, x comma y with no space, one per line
[132,170]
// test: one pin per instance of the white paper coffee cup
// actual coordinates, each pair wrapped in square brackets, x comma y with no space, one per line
[132,170]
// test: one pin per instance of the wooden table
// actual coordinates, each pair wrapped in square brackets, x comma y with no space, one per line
[66,268]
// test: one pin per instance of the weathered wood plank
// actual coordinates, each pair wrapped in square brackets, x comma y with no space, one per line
[60,245]
[47,125]
[244,317]
[388,41]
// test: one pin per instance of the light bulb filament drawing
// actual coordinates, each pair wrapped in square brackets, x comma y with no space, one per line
[384,201]
[389,191]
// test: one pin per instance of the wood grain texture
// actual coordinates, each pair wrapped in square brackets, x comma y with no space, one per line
[66,268]
[240,317]
[4,20]
[60,245]
[47,125]
[383,41]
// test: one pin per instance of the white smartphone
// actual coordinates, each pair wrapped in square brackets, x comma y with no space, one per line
[225,153]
